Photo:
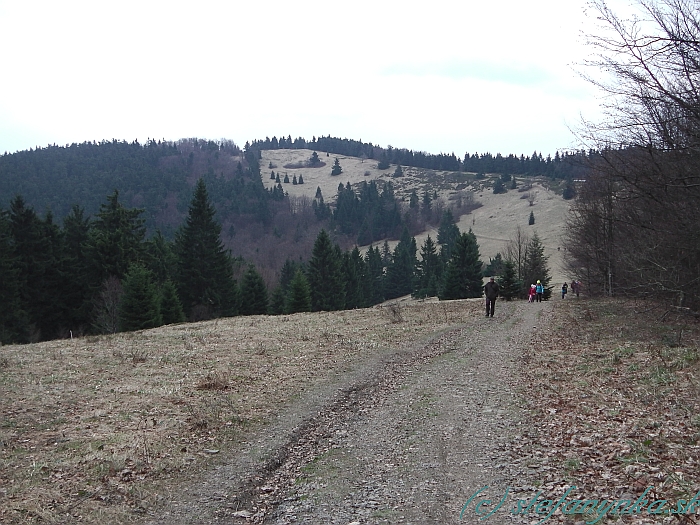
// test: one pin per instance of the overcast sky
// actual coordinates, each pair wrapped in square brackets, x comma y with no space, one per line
[437,76]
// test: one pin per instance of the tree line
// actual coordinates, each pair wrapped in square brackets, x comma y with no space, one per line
[564,165]
[102,275]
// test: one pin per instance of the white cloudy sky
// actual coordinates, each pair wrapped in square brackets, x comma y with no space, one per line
[438,76]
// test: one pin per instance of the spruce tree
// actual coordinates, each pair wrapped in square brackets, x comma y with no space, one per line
[254,298]
[354,270]
[14,323]
[116,240]
[401,272]
[336,170]
[508,281]
[413,201]
[36,253]
[286,178]
[531,219]
[535,266]
[77,290]
[299,294]
[448,233]
[301,179]
[204,269]
[374,278]
[398,172]
[325,276]
[140,304]
[170,306]
[277,301]
[463,273]
[429,270]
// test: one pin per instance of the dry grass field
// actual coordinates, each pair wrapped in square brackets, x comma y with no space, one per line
[493,223]
[96,429]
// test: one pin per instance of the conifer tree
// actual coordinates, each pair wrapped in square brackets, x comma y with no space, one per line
[14,323]
[325,276]
[336,170]
[398,172]
[531,219]
[36,254]
[427,205]
[535,266]
[508,282]
[314,160]
[76,266]
[448,233]
[117,239]
[254,298]
[170,307]
[374,278]
[463,273]
[286,178]
[299,294]
[499,187]
[140,305]
[204,271]
[277,301]
[400,273]
[413,201]
[354,270]
[301,179]
[428,271]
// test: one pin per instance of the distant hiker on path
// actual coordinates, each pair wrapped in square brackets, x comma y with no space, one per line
[531,294]
[539,290]
[491,291]
[576,287]
[564,289]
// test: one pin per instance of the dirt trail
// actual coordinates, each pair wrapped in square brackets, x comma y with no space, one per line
[406,437]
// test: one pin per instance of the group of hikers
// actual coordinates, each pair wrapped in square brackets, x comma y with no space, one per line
[491,291]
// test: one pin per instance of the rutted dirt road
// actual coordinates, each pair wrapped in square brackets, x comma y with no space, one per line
[405,437]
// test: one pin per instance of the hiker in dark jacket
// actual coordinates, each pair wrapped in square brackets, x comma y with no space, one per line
[491,291]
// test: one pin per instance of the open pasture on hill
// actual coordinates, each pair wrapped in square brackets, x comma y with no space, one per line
[494,222]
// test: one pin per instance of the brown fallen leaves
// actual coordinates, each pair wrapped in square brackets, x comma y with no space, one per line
[614,393]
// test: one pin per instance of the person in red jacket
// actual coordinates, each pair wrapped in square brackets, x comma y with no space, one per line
[532,293]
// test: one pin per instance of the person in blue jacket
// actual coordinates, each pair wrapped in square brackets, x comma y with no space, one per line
[539,291]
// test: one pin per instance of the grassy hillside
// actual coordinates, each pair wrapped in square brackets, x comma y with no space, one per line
[494,222]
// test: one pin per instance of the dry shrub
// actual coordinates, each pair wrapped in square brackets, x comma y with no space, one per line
[216,380]
[393,312]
